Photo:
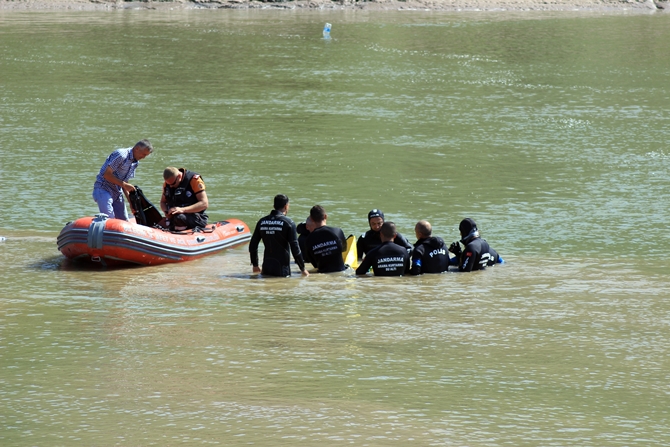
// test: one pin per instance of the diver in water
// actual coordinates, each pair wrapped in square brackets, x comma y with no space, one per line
[371,238]
[430,253]
[477,254]
[387,259]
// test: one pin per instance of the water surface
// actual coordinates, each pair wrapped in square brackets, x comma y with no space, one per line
[549,130]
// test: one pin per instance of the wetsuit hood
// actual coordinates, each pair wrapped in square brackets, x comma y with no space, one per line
[375,213]
[469,231]
[431,242]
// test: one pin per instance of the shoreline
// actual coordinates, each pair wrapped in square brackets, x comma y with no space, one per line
[612,6]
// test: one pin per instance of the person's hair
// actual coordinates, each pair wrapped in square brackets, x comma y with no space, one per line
[317,213]
[423,228]
[145,144]
[280,201]
[170,172]
[388,230]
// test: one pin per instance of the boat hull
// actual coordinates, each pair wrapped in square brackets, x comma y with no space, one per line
[112,241]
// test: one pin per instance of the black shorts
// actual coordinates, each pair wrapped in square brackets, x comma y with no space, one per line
[189,221]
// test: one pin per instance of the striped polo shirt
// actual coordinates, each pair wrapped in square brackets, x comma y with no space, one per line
[123,165]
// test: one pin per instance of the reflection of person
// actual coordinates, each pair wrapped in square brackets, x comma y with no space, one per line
[430,253]
[113,178]
[387,259]
[325,244]
[184,199]
[278,234]
[371,238]
[477,254]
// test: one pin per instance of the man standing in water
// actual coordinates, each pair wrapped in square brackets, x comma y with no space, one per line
[371,238]
[324,245]
[477,254]
[278,234]
[389,258]
[111,184]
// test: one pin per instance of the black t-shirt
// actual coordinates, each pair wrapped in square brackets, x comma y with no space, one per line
[476,256]
[371,239]
[430,255]
[324,247]
[388,259]
[279,235]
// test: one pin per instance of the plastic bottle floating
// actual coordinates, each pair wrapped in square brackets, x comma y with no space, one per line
[326,31]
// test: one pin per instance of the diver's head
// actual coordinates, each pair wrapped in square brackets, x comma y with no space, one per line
[375,219]
[469,231]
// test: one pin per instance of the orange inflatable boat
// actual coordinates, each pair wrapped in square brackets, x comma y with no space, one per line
[113,241]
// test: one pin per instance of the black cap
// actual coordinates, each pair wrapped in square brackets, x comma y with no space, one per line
[375,213]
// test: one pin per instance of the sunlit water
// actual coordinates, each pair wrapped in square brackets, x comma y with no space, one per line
[549,130]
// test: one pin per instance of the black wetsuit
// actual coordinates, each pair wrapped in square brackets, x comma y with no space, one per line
[183,195]
[279,235]
[388,259]
[303,232]
[371,239]
[477,255]
[430,255]
[324,247]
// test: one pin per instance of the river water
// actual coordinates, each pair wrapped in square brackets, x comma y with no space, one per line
[550,130]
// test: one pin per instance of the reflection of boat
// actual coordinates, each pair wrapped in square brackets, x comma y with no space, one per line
[113,241]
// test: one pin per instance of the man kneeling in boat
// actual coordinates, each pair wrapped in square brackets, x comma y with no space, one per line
[184,199]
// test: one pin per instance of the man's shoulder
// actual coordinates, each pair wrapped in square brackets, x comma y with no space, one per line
[485,245]
[374,252]
[419,246]
[274,216]
[269,217]
[437,242]
[400,237]
[197,183]
[314,234]
[122,152]
[334,230]
[394,248]
[370,236]
[190,173]
[324,232]
[475,245]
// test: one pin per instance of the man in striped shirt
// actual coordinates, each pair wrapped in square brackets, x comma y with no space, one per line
[113,179]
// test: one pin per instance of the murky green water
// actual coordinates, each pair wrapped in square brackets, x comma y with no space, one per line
[550,130]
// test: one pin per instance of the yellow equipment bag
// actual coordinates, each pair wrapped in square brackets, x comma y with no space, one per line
[350,256]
